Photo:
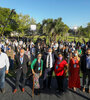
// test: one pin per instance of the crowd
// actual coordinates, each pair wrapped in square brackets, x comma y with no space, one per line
[62,58]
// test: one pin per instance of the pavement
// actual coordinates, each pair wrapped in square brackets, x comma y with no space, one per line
[46,94]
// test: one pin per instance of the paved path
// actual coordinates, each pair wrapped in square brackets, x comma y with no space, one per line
[45,95]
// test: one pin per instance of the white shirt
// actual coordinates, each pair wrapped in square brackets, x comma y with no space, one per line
[51,62]
[4,61]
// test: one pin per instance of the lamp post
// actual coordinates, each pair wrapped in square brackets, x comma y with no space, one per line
[33,29]
[75,29]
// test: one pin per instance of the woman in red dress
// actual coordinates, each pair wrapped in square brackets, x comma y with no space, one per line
[60,71]
[74,69]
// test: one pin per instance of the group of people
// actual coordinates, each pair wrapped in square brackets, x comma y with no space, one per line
[64,58]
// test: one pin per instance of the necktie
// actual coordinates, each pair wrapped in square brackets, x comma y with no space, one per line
[21,59]
[49,62]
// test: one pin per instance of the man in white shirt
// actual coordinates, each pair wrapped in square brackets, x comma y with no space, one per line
[4,67]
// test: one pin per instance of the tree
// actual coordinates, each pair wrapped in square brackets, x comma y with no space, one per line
[16,22]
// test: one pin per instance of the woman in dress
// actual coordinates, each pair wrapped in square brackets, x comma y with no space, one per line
[37,68]
[61,67]
[74,69]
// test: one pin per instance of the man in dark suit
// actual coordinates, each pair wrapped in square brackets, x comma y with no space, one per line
[21,69]
[85,68]
[49,67]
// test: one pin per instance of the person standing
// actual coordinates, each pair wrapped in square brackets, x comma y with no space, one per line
[4,68]
[37,68]
[11,55]
[21,70]
[74,69]
[60,69]
[33,52]
[49,68]
[85,68]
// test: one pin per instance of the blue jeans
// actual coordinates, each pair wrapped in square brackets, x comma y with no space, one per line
[2,78]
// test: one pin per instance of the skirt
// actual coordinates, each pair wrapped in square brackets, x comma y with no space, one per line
[36,81]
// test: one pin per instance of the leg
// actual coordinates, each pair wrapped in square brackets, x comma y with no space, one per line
[18,75]
[84,81]
[2,78]
[50,77]
[45,77]
[24,79]
[61,78]
[58,82]
[89,80]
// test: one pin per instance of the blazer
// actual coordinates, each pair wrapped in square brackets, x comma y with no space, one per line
[22,66]
[83,63]
[45,58]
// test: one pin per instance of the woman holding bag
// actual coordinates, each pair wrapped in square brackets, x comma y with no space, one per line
[37,68]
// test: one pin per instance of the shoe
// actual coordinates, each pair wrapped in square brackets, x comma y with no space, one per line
[3,90]
[83,89]
[15,91]
[23,90]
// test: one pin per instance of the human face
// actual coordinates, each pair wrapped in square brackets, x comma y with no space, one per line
[9,48]
[60,56]
[21,52]
[88,52]
[39,56]
[50,50]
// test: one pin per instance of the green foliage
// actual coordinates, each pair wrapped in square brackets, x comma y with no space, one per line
[84,31]
[21,24]
[16,22]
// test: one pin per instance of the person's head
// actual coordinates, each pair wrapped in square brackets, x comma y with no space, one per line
[9,48]
[22,52]
[60,56]
[33,46]
[27,49]
[88,52]
[39,56]
[75,53]
[50,50]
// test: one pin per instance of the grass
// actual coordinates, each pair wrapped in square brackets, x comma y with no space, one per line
[69,38]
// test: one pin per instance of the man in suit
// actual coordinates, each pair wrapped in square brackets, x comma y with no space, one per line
[85,68]
[49,67]
[21,69]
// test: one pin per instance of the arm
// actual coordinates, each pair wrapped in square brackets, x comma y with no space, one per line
[41,67]
[7,64]
[66,70]
[32,65]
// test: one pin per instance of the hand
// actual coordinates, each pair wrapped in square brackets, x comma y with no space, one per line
[6,71]
[33,73]
[40,74]
[66,71]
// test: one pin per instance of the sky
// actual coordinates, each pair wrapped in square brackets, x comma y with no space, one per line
[73,12]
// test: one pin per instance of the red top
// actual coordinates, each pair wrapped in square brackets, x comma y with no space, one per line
[59,68]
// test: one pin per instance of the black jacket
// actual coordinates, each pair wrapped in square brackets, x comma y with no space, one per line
[45,58]
[22,66]
[83,63]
